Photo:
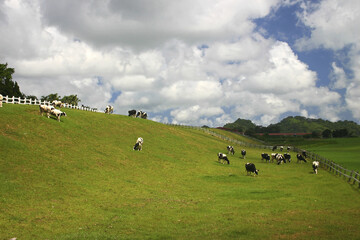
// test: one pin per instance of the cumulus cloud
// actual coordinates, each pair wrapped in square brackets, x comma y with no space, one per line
[188,62]
[334,25]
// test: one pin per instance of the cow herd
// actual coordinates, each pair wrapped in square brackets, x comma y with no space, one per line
[279,158]
[51,110]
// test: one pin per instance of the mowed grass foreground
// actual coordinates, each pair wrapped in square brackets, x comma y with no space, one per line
[80,179]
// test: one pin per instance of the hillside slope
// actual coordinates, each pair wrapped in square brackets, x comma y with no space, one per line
[80,179]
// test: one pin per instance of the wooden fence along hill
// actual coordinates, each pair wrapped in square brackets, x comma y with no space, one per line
[351,176]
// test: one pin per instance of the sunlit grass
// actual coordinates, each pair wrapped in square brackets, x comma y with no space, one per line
[80,179]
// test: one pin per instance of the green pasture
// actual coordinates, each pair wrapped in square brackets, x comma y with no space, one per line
[80,179]
[344,151]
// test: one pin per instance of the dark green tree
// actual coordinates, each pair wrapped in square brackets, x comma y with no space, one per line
[31,97]
[50,97]
[7,86]
[72,99]
[326,133]
[340,133]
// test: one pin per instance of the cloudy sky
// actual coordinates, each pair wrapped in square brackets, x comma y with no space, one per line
[194,62]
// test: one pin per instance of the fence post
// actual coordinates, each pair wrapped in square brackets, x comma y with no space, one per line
[351,175]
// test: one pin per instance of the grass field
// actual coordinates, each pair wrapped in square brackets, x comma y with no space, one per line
[80,179]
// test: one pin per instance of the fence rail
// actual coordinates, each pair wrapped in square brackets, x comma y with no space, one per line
[28,101]
[351,176]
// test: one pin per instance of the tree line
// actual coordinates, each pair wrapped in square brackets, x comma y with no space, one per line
[8,87]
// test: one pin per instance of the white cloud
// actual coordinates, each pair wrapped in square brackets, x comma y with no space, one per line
[191,62]
[338,77]
[334,25]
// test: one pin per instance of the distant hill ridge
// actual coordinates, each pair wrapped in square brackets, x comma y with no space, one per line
[296,124]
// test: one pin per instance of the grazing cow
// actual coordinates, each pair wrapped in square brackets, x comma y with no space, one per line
[300,157]
[281,148]
[274,148]
[288,148]
[265,156]
[315,165]
[109,109]
[45,109]
[243,153]
[287,157]
[141,114]
[1,98]
[273,156]
[250,168]
[138,144]
[57,113]
[57,103]
[304,153]
[230,150]
[223,158]
[132,113]
[280,158]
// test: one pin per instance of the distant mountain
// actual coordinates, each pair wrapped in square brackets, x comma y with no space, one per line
[297,125]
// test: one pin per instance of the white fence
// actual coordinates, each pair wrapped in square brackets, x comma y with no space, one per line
[28,101]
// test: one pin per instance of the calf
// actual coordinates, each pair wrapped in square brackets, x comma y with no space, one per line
[250,168]
[138,144]
[243,153]
[265,156]
[300,157]
[315,165]
[223,158]
[230,150]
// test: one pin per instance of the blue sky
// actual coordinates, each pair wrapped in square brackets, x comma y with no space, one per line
[194,62]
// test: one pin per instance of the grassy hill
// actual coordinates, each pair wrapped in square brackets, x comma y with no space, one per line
[80,179]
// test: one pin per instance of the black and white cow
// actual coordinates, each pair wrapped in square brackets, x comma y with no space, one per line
[288,148]
[287,157]
[265,156]
[109,109]
[250,168]
[280,159]
[304,153]
[223,158]
[281,148]
[138,144]
[230,150]
[141,114]
[274,148]
[243,153]
[315,165]
[132,113]
[300,157]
